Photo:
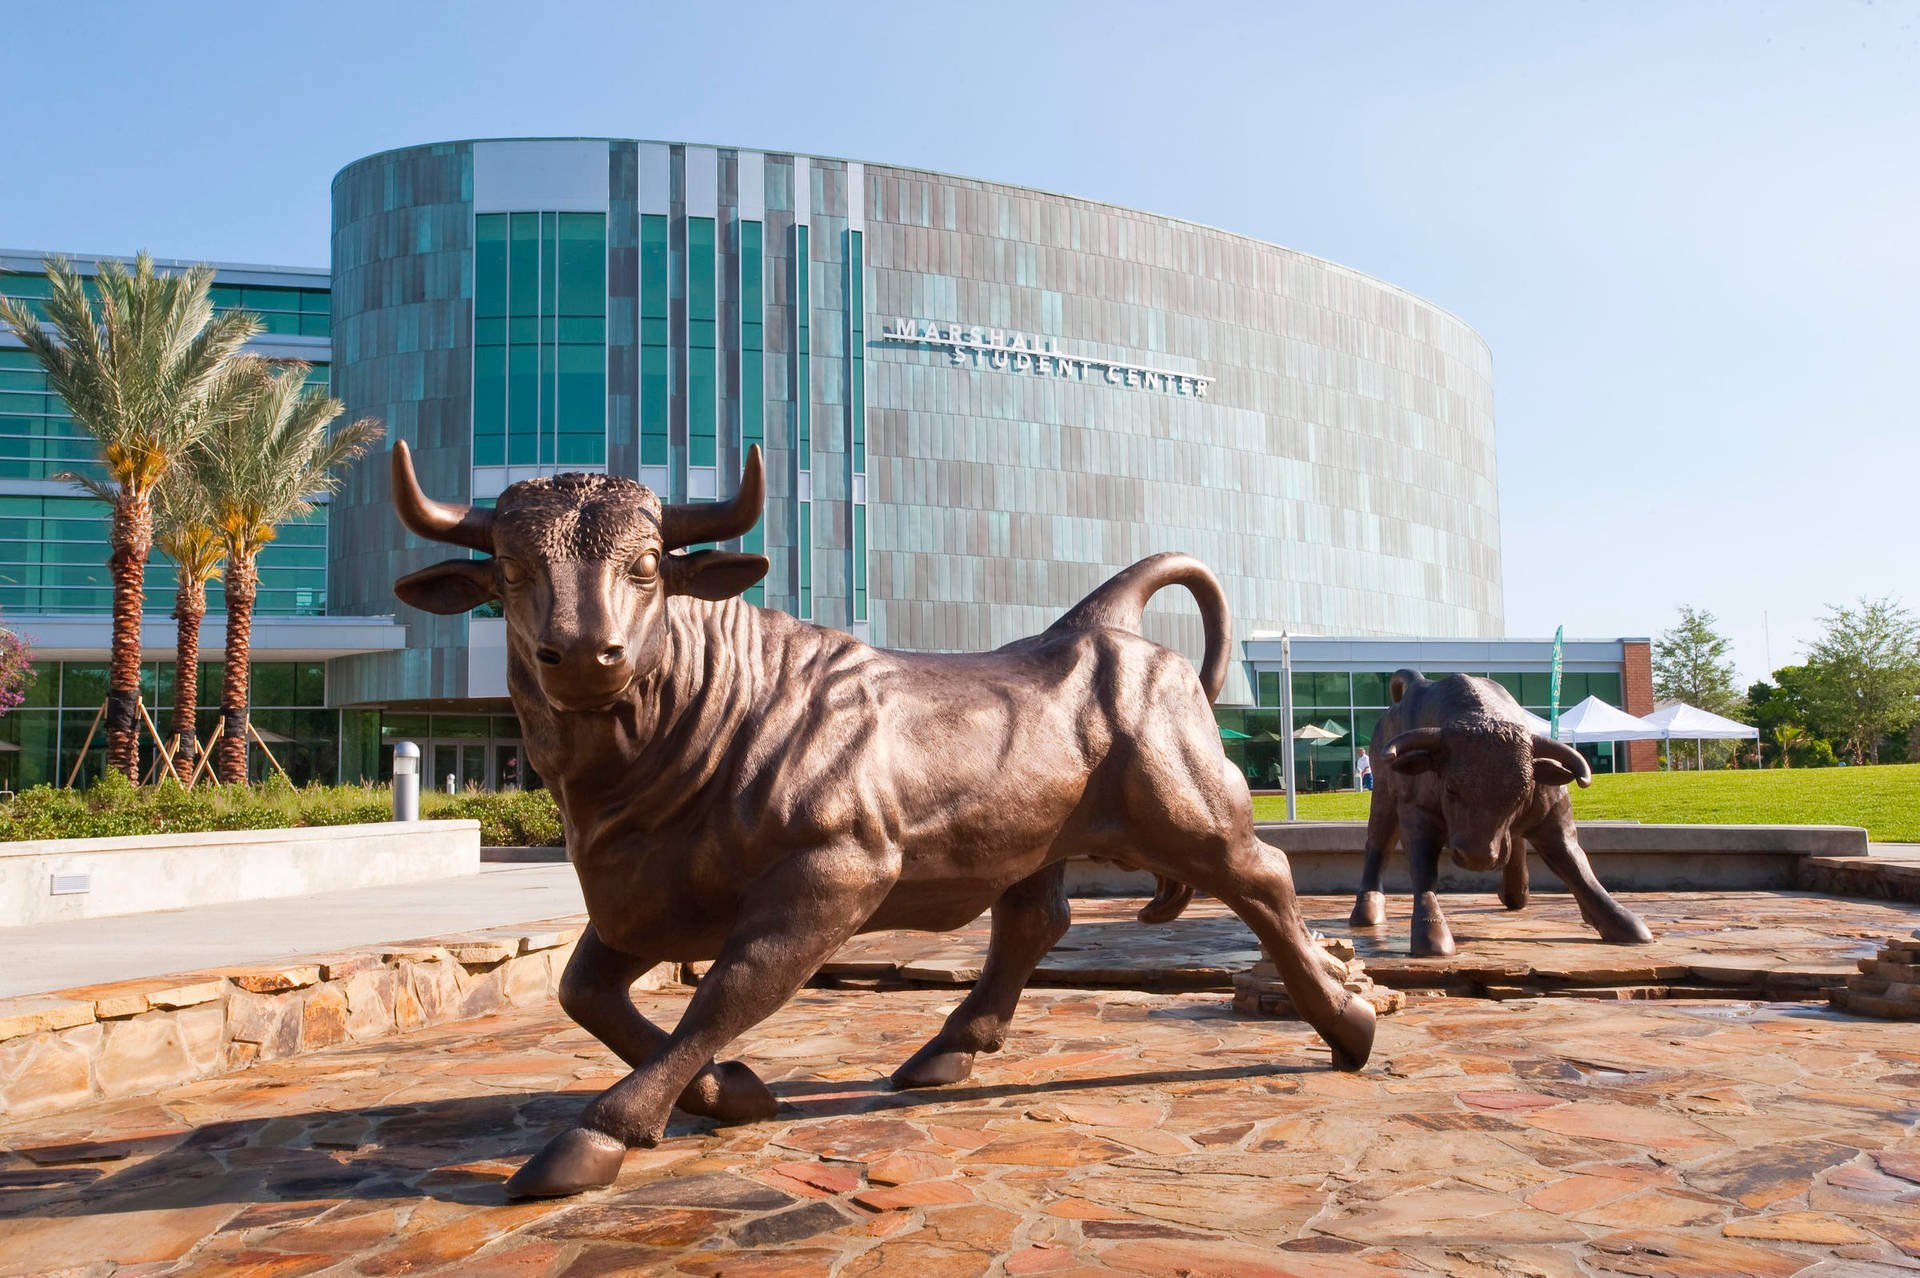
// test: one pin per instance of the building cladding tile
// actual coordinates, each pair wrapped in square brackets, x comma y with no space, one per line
[1339,474]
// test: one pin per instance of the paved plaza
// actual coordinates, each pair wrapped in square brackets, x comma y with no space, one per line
[1121,1131]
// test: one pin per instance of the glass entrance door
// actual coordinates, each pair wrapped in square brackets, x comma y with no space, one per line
[485,765]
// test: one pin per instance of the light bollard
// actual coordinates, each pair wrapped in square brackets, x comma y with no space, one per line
[406,781]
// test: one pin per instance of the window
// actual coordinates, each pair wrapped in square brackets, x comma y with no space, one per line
[653,340]
[857,418]
[38,438]
[1268,690]
[540,334]
[753,378]
[53,559]
[283,312]
[702,363]
[802,424]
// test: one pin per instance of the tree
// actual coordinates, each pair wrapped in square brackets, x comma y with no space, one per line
[184,529]
[1690,664]
[1787,736]
[143,378]
[1866,674]
[261,467]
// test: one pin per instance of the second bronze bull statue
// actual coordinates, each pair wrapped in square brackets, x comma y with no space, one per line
[740,786]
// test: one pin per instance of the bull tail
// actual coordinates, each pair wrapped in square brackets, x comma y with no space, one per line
[1120,602]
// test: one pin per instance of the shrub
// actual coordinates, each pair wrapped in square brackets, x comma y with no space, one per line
[114,807]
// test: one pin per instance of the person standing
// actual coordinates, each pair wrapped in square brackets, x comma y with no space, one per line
[1363,767]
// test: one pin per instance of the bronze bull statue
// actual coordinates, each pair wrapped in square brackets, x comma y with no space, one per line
[743,787]
[1462,772]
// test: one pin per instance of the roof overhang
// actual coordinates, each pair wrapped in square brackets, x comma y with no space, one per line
[88,638]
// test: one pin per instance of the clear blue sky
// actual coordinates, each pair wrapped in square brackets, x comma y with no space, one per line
[1690,232]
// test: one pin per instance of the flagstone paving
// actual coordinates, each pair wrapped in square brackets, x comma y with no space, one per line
[1706,944]
[1119,1132]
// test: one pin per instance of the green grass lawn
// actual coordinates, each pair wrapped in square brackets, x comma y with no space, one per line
[1885,799]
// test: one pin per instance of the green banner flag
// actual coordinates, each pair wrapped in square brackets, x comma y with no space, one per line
[1553,690]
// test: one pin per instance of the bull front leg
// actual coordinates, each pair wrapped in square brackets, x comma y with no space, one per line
[1028,920]
[794,918]
[595,990]
[1559,846]
[1383,821]
[1432,938]
[1513,875]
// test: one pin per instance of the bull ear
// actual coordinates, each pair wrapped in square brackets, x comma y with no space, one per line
[454,586]
[713,574]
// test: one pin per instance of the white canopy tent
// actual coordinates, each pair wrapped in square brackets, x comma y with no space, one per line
[1690,723]
[1594,720]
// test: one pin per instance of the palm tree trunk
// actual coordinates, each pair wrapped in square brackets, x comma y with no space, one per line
[132,536]
[243,579]
[189,608]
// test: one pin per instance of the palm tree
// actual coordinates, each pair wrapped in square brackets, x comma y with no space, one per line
[261,467]
[1787,736]
[143,377]
[183,526]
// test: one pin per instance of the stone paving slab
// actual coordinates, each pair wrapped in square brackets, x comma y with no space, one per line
[1713,944]
[1117,1133]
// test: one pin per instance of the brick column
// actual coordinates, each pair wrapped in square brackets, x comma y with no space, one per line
[1636,681]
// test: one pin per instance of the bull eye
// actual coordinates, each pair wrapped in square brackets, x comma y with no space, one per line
[646,565]
[511,572]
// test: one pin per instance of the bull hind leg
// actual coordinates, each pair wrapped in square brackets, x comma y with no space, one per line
[595,992]
[1254,880]
[1028,920]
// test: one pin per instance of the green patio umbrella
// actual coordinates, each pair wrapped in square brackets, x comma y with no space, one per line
[1228,734]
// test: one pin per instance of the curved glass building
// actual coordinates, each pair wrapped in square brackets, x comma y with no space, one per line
[977,401]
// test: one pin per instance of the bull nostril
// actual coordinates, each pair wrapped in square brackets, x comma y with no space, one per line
[611,654]
[547,656]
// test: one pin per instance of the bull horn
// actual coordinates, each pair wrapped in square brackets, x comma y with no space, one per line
[703,521]
[469,526]
[1566,756]
[1411,740]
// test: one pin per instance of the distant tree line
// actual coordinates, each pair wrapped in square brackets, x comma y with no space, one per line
[1856,697]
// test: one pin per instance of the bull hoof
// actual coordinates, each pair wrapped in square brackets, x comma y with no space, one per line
[1626,929]
[1369,910]
[932,1066]
[729,1092]
[575,1160]
[1431,940]
[1351,1036]
[1513,900]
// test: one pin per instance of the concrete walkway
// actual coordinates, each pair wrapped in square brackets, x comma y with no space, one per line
[57,956]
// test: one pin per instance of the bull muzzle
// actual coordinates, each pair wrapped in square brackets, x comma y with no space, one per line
[1476,855]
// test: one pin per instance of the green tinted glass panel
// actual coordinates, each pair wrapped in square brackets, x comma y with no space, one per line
[860,563]
[804,541]
[803,351]
[1303,690]
[1332,689]
[702,370]
[1534,688]
[1370,687]
[1607,688]
[653,340]
[1268,688]
[856,352]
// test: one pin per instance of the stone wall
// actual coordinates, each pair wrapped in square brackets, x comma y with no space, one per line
[127,1038]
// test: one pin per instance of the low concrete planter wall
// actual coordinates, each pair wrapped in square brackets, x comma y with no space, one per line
[1326,857]
[58,1051]
[103,877]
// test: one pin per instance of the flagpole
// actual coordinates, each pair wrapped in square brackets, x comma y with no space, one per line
[1286,724]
